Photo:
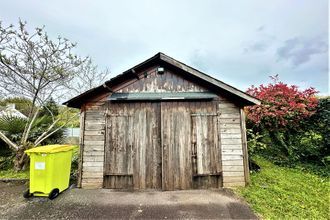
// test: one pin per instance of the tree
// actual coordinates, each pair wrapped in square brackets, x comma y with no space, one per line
[87,77]
[282,105]
[34,67]
[50,108]
[281,115]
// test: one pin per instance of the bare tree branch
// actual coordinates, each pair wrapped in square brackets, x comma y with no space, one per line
[38,68]
[87,77]
[9,142]
[28,128]
[49,134]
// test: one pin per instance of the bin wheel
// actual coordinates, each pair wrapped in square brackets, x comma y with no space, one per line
[53,194]
[27,194]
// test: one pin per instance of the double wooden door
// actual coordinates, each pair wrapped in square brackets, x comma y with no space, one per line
[168,145]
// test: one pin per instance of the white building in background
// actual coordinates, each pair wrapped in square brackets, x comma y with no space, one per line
[10,110]
[72,132]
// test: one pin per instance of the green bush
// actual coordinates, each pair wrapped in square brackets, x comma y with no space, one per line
[74,165]
[255,143]
[21,104]
[307,143]
[13,128]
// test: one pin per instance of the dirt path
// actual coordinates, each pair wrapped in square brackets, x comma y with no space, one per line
[96,204]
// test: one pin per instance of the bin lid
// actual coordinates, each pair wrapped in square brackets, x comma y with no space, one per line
[50,149]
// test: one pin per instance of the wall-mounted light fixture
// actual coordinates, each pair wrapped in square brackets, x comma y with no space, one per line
[160,70]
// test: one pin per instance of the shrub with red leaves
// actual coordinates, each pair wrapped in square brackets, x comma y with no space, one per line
[282,105]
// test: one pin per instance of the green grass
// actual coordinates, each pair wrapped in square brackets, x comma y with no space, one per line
[8,174]
[287,193]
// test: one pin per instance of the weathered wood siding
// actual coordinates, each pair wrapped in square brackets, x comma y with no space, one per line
[176,143]
[133,153]
[206,158]
[153,82]
[92,161]
[162,145]
[231,144]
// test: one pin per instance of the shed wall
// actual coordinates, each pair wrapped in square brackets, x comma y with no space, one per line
[92,144]
[230,129]
[231,144]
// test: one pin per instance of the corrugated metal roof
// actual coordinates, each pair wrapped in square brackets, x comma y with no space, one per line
[161,96]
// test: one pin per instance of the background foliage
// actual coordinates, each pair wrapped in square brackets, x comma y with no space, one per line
[291,127]
[21,104]
[13,128]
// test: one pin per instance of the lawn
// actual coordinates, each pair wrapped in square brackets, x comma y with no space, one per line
[7,173]
[11,174]
[287,193]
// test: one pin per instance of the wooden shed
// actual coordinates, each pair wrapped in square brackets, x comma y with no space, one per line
[162,125]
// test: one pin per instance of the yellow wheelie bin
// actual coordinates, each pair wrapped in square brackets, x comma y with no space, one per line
[49,170]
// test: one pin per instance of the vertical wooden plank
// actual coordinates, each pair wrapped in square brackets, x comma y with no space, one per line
[130,156]
[176,127]
[214,136]
[218,129]
[136,162]
[81,145]
[145,141]
[143,145]
[245,150]
[118,154]
[187,172]
[199,145]
[165,135]
[175,162]
[170,147]
[158,153]
[106,145]
[194,145]
[205,128]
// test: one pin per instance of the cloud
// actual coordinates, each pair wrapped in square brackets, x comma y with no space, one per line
[235,44]
[261,42]
[256,47]
[299,51]
[261,28]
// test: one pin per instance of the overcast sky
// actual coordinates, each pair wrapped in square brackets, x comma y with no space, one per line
[239,42]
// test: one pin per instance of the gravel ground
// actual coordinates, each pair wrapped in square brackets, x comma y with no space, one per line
[105,204]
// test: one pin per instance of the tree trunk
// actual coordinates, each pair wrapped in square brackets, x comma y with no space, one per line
[21,160]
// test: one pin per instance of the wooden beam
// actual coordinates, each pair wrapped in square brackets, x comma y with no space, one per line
[135,74]
[244,148]
[107,87]
[81,143]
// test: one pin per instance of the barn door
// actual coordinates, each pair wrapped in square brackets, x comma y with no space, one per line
[119,153]
[133,153]
[206,161]
[176,159]
[147,154]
